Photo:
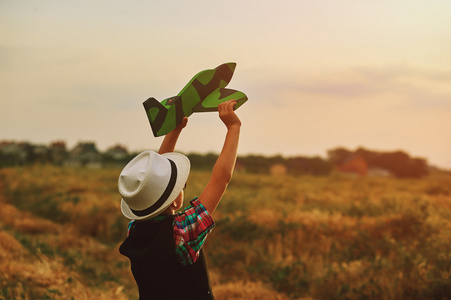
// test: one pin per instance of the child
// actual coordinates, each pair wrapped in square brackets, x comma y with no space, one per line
[164,248]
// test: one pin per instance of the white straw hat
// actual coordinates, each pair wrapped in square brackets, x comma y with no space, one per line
[150,182]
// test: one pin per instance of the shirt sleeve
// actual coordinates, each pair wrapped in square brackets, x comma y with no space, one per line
[191,228]
[131,225]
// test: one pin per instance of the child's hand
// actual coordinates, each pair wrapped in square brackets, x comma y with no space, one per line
[182,124]
[227,114]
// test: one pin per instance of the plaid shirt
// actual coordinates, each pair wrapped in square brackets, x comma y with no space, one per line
[190,229]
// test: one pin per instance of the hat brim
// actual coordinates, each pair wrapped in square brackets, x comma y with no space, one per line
[183,168]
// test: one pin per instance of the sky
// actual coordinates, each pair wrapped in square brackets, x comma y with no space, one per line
[318,74]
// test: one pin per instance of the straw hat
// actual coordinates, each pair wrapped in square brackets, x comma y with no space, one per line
[150,182]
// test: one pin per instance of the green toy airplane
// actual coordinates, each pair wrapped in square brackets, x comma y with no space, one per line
[202,94]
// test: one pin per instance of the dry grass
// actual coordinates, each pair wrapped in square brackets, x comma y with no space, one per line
[241,290]
[49,253]
[278,237]
[370,238]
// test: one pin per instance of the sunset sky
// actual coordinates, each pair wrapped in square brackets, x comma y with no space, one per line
[318,74]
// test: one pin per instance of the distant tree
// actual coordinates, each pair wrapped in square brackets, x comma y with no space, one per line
[58,152]
[85,153]
[277,160]
[419,167]
[255,163]
[116,155]
[368,155]
[309,165]
[338,156]
[35,153]
[401,165]
[11,154]
[202,162]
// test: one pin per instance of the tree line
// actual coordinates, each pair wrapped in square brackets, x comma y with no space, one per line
[360,161]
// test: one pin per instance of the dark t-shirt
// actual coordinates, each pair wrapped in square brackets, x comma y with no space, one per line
[158,270]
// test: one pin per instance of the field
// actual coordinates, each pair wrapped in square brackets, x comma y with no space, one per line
[276,237]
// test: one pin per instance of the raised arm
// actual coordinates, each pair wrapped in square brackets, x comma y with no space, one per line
[225,164]
[170,139]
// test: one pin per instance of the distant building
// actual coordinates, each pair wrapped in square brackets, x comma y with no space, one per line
[85,154]
[117,152]
[379,172]
[39,154]
[356,164]
[58,152]
[12,154]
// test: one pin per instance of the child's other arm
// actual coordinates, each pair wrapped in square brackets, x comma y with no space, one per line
[170,139]
[224,166]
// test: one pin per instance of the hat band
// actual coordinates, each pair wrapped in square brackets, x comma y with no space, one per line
[167,192]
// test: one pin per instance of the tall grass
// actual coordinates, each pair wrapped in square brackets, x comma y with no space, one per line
[337,237]
[276,237]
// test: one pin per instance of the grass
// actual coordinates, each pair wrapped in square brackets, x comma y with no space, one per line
[276,237]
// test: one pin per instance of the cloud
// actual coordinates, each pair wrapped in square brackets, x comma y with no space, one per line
[403,86]
[377,107]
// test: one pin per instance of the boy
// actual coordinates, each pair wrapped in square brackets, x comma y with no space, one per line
[164,248]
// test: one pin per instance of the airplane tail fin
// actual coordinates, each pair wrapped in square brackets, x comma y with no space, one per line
[156,113]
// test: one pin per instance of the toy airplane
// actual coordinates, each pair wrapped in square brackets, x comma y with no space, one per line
[202,94]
